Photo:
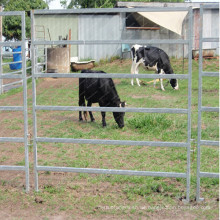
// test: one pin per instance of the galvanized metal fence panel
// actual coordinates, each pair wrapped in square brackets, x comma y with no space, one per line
[201,108]
[187,111]
[23,108]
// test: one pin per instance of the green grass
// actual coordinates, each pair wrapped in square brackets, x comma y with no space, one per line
[95,194]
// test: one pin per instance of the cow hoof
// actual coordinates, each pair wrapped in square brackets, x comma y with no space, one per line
[92,120]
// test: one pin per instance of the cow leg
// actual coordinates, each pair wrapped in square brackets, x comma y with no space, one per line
[80,113]
[85,115]
[155,80]
[136,72]
[89,104]
[81,97]
[103,119]
[161,80]
[132,72]
[80,116]
[161,84]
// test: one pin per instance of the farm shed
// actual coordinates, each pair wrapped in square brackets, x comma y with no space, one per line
[146,28]
[125,26]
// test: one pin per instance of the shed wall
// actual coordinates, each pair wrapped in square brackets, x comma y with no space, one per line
[211,28]
[99,27]
[58,25]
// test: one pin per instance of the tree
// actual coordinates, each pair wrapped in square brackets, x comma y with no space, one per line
[12,24]
[103,3]
[3,2]
[90,3]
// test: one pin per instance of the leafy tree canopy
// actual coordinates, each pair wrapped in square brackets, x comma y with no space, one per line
[3,2]
[103,3]
[12,24]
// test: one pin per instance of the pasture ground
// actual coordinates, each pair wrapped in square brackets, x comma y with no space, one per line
[84,196]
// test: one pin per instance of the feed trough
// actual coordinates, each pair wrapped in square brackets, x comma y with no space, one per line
[206,53]
[76,65]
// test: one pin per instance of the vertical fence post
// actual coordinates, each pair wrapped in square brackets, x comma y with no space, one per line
[1,72]
[33,60]
[189,102]
[25,112]
[199,103]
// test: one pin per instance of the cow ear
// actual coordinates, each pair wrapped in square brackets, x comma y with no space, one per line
[122,104]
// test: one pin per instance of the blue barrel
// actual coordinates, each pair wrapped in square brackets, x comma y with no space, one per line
[16,58]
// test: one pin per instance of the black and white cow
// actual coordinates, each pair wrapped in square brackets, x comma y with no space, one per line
[102,91]
[152,58]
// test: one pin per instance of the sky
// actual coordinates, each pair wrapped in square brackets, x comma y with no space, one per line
[55,4]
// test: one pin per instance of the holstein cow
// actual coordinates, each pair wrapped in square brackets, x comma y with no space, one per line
[152,58]
[102,91]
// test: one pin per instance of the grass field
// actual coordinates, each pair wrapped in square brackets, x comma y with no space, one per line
[74,196]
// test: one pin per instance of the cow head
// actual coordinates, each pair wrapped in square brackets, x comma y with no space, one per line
[174,84]
[119,116]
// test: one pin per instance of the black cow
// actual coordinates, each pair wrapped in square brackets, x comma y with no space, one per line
[102,91]
[152,58]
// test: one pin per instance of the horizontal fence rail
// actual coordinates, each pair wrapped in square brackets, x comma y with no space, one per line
[210,74]
[112,109]
[112,75]
[12,168]
[209,109]
[209,175]
[12,139]
[109,171]
[10,44]
[111,142]
[209,143]
[11,76]
[92,42]
[11,108]
[187,111]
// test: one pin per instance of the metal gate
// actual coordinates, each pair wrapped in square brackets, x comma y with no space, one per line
[187,111]
[22,76]
[201,108]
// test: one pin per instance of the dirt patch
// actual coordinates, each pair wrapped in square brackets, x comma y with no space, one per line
[139,96]
[161,97]
[156,97]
